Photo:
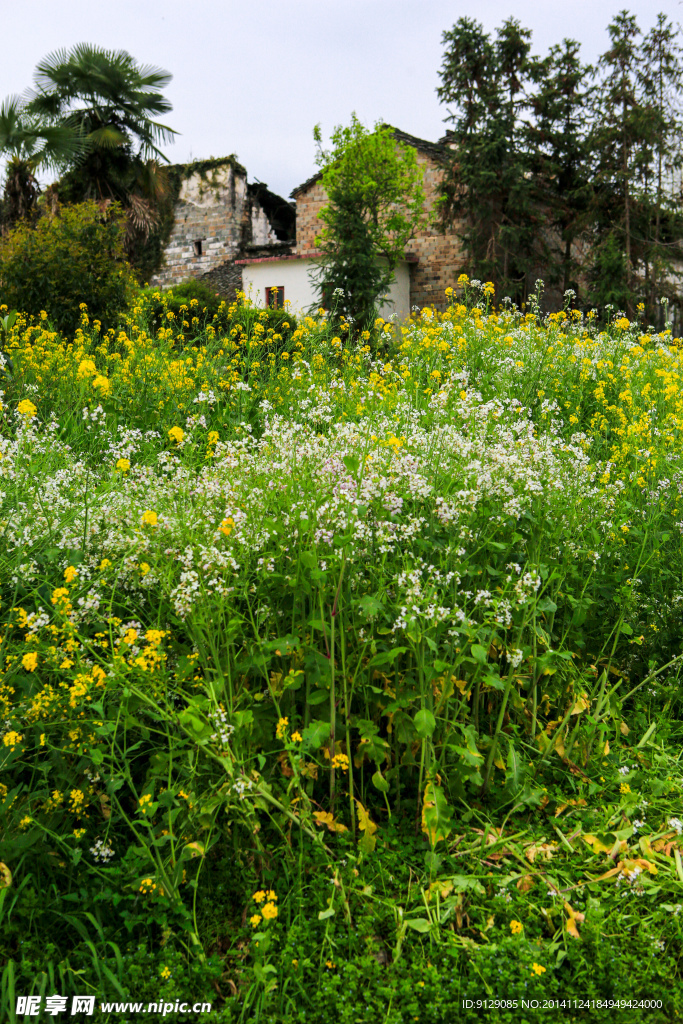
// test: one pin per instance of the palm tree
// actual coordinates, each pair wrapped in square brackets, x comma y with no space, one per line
[113,105]
[29,146]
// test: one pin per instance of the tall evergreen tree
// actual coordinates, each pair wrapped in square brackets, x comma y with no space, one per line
[558,134]
[620,139]
[486,185]
[661,79]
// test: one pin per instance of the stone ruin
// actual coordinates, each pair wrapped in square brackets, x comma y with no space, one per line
[220,217]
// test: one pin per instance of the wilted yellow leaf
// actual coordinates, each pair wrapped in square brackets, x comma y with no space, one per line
[5,876]
[570,803]
[581,704]
[444,887]
[435,813]
[572,917]
[526,882]
[629,866]
[623,729]
[544,851]
[326,818]
[606,843]
[499,763]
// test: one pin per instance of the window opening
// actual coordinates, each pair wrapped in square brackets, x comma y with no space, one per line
[275,297]
[198,246]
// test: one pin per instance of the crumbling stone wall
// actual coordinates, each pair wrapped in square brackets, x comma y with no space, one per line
[218,215]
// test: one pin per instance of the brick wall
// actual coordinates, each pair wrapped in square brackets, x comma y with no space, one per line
[440,257]
[308,205]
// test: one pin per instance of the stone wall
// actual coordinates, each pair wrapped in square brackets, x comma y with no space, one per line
[217,217]
[439,256]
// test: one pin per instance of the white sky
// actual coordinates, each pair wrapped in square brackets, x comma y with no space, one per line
[252,77]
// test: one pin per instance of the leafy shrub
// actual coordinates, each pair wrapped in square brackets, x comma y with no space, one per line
[181,295]
[205,313]
[72,258]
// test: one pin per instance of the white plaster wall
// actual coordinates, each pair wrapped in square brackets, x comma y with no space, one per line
[398,299]
[294,277]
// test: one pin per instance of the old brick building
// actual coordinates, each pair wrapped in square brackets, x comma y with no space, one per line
[234,234]
[434,259]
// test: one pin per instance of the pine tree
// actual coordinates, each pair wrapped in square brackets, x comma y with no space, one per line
[620,139]
[661,79]
[558,145]
[486,187]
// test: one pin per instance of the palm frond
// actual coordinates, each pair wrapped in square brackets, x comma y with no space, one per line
[107,137]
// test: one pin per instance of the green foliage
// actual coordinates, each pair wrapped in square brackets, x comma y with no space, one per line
[375,202]
[195,307]
[93,114]
[30,145]
[554,163]
[609,275]
[487,185]
[181,295]
[74,257]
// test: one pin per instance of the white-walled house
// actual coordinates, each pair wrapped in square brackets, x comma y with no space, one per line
[292,275]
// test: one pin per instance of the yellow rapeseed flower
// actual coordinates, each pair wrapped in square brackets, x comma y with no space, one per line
[281,728]
[269,911]
[70,572]
[149,518]
[123,465]
[27,408]
[538,969]
[516,927]
[30,661]
[176,434]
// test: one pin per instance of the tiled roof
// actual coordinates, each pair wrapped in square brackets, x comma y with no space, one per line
[436,150]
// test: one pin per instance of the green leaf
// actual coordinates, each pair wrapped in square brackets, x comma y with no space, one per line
[380,783]
[369,606]
[386,657]
[419,924]
[318,697]
[479,653]
[324,914]
[425,723]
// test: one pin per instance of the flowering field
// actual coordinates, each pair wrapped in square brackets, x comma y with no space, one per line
[342,670]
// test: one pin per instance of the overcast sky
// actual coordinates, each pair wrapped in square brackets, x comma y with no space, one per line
[252,77]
